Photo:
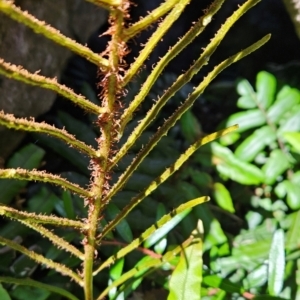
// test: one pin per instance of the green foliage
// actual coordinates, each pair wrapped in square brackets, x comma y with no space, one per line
[87,220]
[258,173]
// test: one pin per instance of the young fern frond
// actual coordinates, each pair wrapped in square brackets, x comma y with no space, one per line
[55,239]
[41,219]
[10,121]
[34,175]
[145,22]
[181,80]
[112,121]
[195,30]
[20,74]
[154,39]
[51,33]
[43,260]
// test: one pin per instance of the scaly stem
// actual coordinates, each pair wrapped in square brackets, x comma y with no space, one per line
[111,89]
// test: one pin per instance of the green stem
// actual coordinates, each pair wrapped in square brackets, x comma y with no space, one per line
[111,90]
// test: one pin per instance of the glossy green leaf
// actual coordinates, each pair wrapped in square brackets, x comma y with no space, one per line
[116,269]
[223,197]
[185,282]
[190,127]
[276,264]
[247,119]
[123,227]
[162,231]
[28,157]
[68,204]
[267,297]
[257,277]
[247,93]
[216,281]
[292,235]
[293,193]
[255,143]
[230,138]
[291,122]
[29,292]
[161,245]
[231,167]
[4,294]
[276,164]
[294,139]
[286,99]
[266,88]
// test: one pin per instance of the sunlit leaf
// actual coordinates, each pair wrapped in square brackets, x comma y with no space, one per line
[185,282]
[276,164]
[222,197]
[247,93]
[4,294]
[231,167]
[266,88]
[286,99]
[294,139]
[255,143]
[292,235]
[276,264]
[247,119]
[123,227]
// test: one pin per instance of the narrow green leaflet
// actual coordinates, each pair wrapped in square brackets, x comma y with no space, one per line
[216,281]
[247,93]
[276,164]
[276,263]
[231,167]
[292,190]
[247,119]
[286,99]
[292,235]
[291,121]
[222,197]
[185,282]
[266,88]
[294,139]
[255,143]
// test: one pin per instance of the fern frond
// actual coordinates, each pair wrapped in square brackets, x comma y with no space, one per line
[34,175]
[40,27]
